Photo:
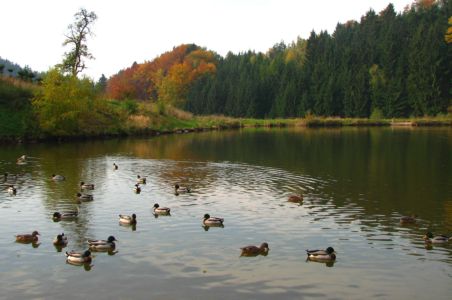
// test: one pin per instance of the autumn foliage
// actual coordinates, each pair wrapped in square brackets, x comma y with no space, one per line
[167,78]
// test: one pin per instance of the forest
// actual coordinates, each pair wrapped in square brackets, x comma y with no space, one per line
[386,65]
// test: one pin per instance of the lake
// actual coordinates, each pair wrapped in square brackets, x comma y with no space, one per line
[356,182]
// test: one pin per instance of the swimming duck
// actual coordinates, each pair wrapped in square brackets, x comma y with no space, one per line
[78,257]
[408,219]
[65,215]
[58,177]
[440,239]
[125,219]
[141,180]
[22,160]
[161,210]
[60,240]
[181,189]
[12,190]
[103,245]
[254,250]
[322,255]
[137,188]
[115,166]
[86,186]
[295,198]
[212,221]
[84,197]
[27,238]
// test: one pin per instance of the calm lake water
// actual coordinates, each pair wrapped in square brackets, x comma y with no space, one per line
[356,182]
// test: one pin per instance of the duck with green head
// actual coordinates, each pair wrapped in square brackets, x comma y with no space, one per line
[12,190]
[161,210]
[439,239]
[322,255]
[86,186]
[60,240]
[212,221]
[74,257]
[141,180]
[65,215]
[128,220]
[103,245]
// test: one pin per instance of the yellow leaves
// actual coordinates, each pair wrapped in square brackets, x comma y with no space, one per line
[448,36]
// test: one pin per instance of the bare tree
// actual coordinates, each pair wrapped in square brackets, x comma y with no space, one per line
[76,38]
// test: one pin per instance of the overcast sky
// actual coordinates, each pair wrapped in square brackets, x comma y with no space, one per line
[32,32]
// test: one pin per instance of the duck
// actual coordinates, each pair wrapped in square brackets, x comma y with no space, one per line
[212,221]
[408,219]
[115,166]
[84,197]
[103,245]
[161,210]
[125,219]
[65,215]
[440,239]
[322,255]
[12,190]
[58,177]
[27,238]
[86,186]
[255,250]
[22,160]
[295,198]
[141,180]
[137,189]
[78,257]
[181,189]
[60,240]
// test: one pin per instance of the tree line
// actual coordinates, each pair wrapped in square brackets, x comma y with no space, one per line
[386,65]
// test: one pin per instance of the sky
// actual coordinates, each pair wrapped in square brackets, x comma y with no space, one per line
[32,32]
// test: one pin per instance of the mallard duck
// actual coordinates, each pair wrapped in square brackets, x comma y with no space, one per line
[84,197]
[22,160]
[408,219]
[440,239]
[86,186]
[181,189]
[322,255]
[141,180]
[27,238]
[161,210]
[60,240]
[78,257]
[65,215]
[212,221]
[125,219]
[12,190]
[115,166]
[103,245]
[137,189]
[58,177]
[254,250]
[295,198]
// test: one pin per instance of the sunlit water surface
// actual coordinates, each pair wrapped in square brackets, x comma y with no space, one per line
[356,185]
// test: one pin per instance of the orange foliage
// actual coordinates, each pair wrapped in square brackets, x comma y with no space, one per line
[166,77]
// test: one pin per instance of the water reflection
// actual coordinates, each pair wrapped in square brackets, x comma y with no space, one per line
[356,184]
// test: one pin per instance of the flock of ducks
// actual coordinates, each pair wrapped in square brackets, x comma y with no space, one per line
[73,257]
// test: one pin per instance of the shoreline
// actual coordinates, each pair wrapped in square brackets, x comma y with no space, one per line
[238,124]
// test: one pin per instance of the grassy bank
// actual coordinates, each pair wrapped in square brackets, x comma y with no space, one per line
[96,117]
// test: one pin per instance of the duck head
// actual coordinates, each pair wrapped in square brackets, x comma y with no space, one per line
[111,239]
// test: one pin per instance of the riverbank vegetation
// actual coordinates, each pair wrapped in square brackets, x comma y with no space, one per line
[389,69]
